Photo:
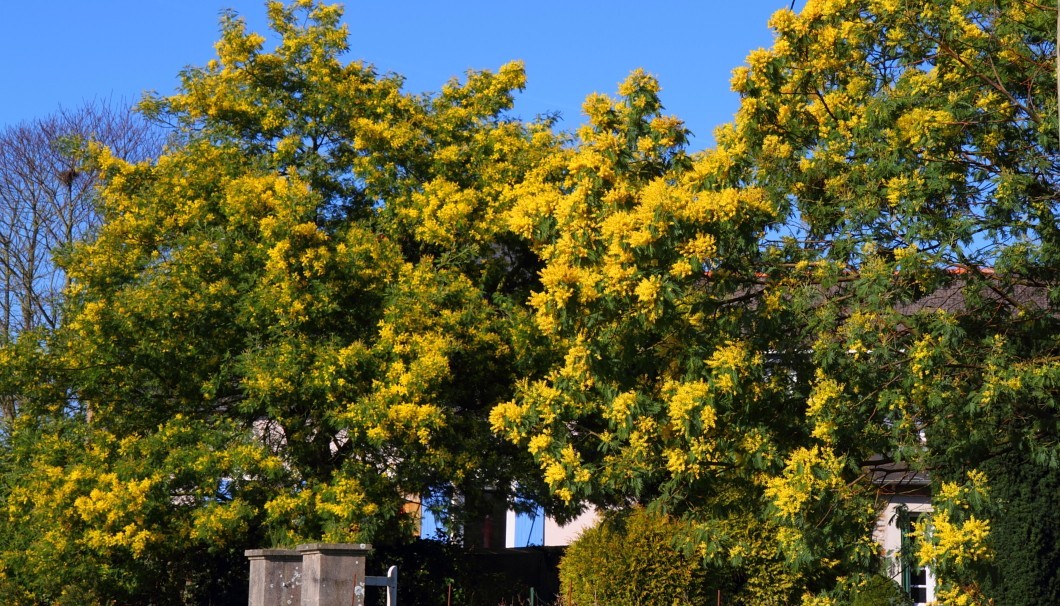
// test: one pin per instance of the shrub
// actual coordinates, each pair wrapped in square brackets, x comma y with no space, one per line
[630,558]
[879,590]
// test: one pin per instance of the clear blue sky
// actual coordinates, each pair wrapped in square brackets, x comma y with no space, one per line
[64,52]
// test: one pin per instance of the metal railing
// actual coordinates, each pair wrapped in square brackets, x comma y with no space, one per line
[389,581]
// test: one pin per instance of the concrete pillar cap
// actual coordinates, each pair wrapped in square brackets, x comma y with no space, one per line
[335,547]
[272,553]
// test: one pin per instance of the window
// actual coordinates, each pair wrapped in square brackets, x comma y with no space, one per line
[529,528]
[916,580]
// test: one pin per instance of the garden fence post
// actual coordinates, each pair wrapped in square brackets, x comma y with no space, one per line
[333,574]
[275,577]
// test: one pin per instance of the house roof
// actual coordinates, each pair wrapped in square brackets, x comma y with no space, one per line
[896,476]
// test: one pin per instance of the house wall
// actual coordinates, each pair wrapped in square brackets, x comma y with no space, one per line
[557,534]
[522,531]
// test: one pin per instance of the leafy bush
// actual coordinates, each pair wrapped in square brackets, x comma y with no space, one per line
[630,558]
[879,590]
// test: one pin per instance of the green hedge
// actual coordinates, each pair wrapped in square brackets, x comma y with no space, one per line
[1024,532]
[879,590]
[629,558]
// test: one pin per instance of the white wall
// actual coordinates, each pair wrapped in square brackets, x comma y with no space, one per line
[558,535]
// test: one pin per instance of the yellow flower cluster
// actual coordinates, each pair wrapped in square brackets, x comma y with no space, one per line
[957,542]
[822,406]
[685,400]
[115,509]
[809,474]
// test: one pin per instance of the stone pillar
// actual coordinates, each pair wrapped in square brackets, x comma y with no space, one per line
[275,577]
[333,574]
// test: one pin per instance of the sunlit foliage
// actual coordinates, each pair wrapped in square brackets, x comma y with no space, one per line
[312,288]
[863,271]
[329,295]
